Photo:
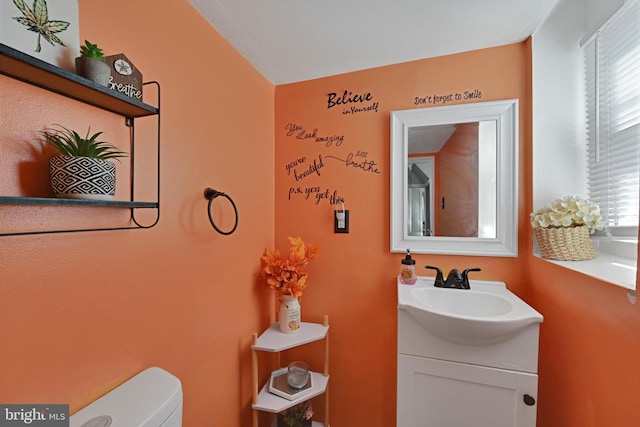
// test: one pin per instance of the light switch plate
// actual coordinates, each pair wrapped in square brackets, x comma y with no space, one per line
[341,221]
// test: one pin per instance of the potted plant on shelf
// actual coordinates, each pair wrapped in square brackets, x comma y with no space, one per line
[562,228]
[90,64]
[84,170]
[296,416]
[289,277]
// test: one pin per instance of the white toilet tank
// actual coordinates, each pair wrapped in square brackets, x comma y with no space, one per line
[153,398]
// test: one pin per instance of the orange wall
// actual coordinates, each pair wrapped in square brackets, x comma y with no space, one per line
[82,312]
[458,184]
[589,346]
[353,279]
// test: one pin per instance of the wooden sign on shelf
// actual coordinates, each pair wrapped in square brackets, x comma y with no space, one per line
[125,77]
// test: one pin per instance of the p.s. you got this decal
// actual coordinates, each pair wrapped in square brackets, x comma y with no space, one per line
[317,194]
[352,103]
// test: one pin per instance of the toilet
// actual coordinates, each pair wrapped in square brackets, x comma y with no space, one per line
[153,398]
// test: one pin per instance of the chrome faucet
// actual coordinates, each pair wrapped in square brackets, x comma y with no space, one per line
[455,278]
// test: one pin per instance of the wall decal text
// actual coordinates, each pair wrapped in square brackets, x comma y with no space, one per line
[306,168]
[364,164]
[300,133]
[447,97]
[355,110]
[317,194]
[347,97]
[352,103]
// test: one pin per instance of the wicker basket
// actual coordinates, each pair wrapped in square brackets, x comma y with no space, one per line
[565,244]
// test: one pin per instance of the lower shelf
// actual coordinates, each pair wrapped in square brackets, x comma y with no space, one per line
[52,201]
[269,402]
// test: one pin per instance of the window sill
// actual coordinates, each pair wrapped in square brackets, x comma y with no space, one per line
[614,263]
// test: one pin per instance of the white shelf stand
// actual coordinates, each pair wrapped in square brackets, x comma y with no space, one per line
[274,341]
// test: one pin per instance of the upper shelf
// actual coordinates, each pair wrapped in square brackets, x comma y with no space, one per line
[34,71]
[273,340]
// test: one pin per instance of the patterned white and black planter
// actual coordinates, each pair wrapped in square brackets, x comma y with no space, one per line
[82,177]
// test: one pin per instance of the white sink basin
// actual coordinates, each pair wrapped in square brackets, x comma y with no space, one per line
[488,313]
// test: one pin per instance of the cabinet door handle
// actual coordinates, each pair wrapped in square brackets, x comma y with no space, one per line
[529,400]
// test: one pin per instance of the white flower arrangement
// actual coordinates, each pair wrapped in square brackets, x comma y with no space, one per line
[570,211]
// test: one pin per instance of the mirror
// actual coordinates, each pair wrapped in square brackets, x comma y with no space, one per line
[454,172]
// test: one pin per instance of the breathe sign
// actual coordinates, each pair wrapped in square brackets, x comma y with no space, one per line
[125,77]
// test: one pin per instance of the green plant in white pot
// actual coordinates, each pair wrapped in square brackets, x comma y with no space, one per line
[84,169]
[90,64]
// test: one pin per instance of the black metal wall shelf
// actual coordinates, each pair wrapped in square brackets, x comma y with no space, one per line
[33,71]
[45,201]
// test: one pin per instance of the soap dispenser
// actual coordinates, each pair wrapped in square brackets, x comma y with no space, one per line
[408,270]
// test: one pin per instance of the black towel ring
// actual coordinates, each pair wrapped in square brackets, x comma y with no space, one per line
[211,194]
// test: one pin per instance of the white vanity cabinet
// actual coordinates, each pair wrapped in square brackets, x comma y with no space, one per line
[439,393]
[451,371]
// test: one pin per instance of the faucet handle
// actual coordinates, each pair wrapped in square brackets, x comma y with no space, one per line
[439,282]
[465,276]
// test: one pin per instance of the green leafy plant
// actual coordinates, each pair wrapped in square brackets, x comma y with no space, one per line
[90,50]
[70,143]
[37,20]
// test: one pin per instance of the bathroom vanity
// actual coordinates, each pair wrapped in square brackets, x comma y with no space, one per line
[466,357]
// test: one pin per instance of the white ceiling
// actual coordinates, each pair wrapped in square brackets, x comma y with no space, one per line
[295,40]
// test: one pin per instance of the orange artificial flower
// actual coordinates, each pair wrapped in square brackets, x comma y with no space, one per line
[288,276]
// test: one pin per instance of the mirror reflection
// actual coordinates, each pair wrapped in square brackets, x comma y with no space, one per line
[451,180]
[454,179]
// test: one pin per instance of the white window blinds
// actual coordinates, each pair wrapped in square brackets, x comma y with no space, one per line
[612,61]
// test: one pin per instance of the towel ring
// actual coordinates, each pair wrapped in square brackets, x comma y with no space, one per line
[211,194]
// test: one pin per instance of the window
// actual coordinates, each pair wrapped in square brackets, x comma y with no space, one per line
[612,76]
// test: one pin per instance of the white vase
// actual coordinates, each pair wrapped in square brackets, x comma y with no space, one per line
[94,70]
[289,314]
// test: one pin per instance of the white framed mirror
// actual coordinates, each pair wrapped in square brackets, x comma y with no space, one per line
[454,179]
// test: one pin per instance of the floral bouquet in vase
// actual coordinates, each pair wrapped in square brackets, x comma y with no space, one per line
[297,416]
[562,228]
[288,276]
